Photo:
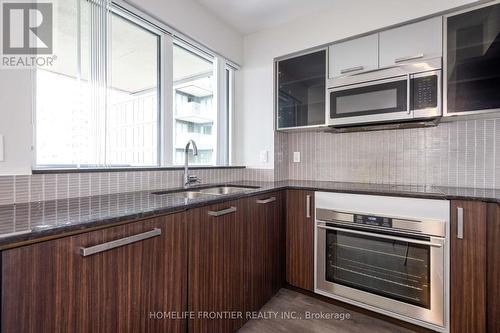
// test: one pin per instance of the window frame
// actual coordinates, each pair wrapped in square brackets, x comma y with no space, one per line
[230,105]
[167,38]
[134,19]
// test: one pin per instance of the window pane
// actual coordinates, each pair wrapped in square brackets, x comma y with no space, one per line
[98,107]
[58,99]
[195,115]
[132,120]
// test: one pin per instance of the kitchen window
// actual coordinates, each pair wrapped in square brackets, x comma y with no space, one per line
[105,102]
[195,112]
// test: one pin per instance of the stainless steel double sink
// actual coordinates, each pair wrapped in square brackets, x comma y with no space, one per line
[208,191]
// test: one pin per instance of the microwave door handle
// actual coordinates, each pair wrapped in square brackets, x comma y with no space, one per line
[369,83]
[396,238]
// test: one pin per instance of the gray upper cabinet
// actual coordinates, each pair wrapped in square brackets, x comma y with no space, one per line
[421,40]
[353,56]
[473,61]
[301,90]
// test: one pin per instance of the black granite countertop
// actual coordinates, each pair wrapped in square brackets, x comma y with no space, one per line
[416,191]
[36,220]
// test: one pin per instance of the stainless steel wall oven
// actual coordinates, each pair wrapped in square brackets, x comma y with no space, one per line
[390,263]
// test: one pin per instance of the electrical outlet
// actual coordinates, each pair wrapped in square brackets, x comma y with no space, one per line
[1,148]
[264,156]
[296,156]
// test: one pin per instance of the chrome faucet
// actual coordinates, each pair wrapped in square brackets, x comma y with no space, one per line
[189,179]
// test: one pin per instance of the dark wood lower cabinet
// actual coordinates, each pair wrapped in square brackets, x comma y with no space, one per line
[493,271]
[219,260]
[300,239]
[265,246]
[235,260]
[216,266]
[51,287]
[468,267]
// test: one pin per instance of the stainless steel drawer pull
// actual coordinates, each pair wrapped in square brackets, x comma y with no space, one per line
[351,69]
[88,251]
[308,206]
[222,212]
[264,201]
[460,223]
[403,59]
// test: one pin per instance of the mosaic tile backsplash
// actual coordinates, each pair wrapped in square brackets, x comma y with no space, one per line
[458,154]
[36,188]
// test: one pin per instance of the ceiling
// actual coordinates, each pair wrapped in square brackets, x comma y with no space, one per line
[248,16]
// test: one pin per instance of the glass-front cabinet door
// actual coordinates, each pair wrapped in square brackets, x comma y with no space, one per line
[301,93]
[473,61]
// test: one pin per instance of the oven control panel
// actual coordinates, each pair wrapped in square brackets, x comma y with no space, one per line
[373,220]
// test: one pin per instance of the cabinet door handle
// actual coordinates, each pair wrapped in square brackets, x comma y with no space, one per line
[460,223]
[308,206]
[88,251]
[351,69]
[413,57]
[264,201]
[222,212]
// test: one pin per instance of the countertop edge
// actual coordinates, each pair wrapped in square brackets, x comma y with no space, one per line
[29,237]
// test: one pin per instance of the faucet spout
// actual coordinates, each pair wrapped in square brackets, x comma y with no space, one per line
[195,148]
[188,180]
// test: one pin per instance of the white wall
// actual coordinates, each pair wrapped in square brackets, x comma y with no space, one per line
[16,86]
[349,18]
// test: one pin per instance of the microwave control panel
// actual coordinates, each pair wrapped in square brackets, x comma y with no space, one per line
[424,92]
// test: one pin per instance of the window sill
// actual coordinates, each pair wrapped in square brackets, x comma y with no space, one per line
[130,169]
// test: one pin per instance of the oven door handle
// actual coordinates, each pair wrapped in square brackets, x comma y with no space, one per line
[396,238]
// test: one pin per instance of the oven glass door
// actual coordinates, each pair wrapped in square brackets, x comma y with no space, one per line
[373,98]
[390,268]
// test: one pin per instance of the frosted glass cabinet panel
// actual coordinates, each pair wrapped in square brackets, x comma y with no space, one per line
[301,90]
[473,61]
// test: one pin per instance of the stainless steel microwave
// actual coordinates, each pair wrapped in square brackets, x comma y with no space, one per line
[400,93]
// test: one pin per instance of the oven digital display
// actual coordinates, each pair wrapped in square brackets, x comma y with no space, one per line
[373,220]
